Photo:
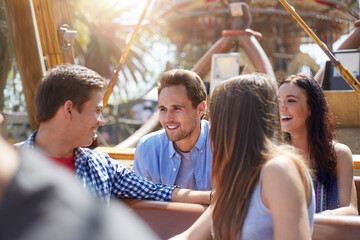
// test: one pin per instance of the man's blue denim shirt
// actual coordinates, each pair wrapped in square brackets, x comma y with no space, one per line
[157,159]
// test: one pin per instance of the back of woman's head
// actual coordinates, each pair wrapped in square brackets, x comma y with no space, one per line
[320,126]
[244,117]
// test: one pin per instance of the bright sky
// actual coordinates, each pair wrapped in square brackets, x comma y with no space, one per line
[131,17]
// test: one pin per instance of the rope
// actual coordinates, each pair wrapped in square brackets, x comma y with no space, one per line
[123,57]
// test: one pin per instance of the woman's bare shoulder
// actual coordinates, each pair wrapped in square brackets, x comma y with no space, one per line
[342,149]
[281,176]
[281,166]
[343,153]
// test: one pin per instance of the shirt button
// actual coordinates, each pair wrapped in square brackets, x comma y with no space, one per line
[174,169]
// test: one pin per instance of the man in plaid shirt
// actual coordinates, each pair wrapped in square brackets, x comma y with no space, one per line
[69,104]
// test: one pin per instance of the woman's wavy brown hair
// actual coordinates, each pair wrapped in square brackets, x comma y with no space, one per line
[245,122]
[320,127]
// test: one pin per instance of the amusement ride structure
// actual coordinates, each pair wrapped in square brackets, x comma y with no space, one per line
[262,31]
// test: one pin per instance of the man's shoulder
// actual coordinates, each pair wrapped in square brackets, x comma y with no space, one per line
[96,158]
[100,162]
[205,126]
[204,132]
[26,144]
[19,144]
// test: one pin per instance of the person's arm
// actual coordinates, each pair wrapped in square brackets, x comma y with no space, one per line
[345,182]
[126,184]
[190,196]
[287,197]
[201,229]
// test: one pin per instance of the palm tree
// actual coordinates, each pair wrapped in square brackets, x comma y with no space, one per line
[102,39]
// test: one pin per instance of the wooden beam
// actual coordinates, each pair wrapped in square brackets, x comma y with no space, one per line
[27,50]
[124,155]
[50,16]
[61,13]
[118,153]
[34,36]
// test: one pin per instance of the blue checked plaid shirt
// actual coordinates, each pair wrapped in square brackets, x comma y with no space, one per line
[106,177]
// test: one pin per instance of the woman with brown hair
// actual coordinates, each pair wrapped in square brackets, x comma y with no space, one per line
[262,189]
[305,117]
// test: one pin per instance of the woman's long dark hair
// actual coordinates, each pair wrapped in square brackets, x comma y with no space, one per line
[320,127]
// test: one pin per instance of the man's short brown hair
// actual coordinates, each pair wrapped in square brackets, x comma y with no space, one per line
[62,83]
[195,87]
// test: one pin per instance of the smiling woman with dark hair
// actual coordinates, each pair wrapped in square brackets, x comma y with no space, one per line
[306,118]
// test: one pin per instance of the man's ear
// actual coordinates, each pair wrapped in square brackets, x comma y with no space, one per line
[68,109]
[201,108]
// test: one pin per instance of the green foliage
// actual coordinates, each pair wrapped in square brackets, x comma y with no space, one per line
[13,93]
[103,33]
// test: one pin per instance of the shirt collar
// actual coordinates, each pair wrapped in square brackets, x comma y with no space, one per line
[30,142]
[200,144]
[79,153]
[172,150]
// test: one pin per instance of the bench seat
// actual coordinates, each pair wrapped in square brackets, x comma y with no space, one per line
[170,218]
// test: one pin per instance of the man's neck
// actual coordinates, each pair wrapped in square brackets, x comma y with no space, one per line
[53,141]
[188,143]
